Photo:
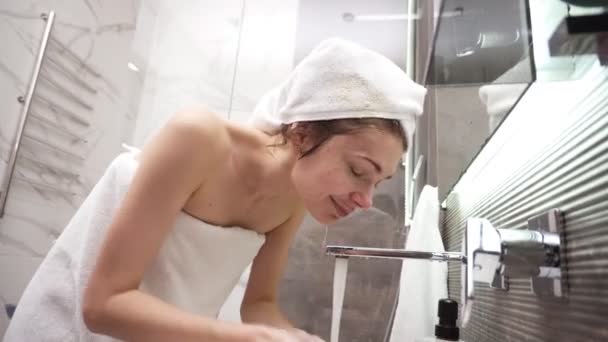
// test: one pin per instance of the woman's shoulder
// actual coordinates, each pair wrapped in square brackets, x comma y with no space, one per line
[204,123]
[213,133]
[198,133]
[201,125]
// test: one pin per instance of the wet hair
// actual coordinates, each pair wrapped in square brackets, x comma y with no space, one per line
[321,131]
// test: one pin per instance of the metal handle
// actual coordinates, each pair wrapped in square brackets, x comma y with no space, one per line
[495,254]
[27,101]
[481,245]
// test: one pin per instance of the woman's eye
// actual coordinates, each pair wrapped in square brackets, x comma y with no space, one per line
[356,172]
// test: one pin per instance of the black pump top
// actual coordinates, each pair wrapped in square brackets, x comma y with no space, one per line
[447,310]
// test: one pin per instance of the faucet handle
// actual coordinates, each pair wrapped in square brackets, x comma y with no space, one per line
[493,254]
[481,246]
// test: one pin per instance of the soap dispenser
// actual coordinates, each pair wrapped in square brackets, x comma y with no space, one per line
[446,330]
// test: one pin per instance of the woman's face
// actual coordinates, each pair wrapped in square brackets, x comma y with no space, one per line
[341,175]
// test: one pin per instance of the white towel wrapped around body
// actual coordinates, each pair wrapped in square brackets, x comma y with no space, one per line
[337,80]
[195,270]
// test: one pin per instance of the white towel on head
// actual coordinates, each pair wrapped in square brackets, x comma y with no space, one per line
[337,80]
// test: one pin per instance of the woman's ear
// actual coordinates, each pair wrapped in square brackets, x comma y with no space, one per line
[300,136]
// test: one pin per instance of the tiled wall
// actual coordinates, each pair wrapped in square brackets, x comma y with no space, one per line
[200,54]
[550,152]
[189,59]
[80,115]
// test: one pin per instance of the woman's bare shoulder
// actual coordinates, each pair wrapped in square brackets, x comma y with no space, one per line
[195,139]
[203,122]
[205,130]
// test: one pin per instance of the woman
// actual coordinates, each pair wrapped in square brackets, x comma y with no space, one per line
[159,243]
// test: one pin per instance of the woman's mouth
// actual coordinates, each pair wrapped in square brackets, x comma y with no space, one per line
[340,210]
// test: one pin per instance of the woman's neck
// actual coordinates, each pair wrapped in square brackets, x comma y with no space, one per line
[264,163]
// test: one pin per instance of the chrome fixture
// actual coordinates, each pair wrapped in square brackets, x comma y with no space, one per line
[386,253]
[26,101]
[409,16]
[492,255]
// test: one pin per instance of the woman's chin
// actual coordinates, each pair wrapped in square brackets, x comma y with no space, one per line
[325,218]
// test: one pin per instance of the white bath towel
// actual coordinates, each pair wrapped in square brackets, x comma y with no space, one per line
[423,282]
[340,79]
[195,270]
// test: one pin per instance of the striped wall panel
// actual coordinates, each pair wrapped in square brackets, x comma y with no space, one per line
[569,172]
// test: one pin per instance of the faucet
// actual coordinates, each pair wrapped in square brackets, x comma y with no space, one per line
[388,253]
[493,255]
[496,254]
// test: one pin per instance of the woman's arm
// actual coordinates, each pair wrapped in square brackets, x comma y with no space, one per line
[260,300]
[260,304]
[171,167]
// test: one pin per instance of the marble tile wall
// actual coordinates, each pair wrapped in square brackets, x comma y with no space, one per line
[196,53]
[189,60]
[266,52]
[81,112]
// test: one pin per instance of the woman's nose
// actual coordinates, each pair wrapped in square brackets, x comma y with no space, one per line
[362,199]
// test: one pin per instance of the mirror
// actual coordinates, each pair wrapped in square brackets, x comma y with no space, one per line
[483,58]
[466,118]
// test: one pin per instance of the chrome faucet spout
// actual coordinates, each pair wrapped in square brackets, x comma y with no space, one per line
[388,253]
